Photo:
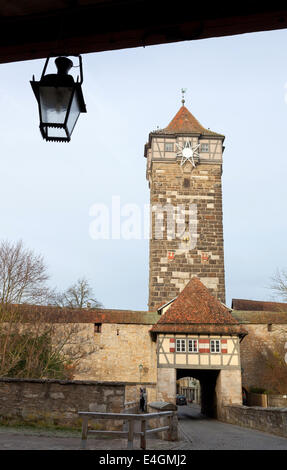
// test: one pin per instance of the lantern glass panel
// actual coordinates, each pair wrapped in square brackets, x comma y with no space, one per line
[54,102]
[74,113]
[56,132]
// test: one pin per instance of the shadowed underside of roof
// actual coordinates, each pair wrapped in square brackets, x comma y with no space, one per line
[207,328]
[34,29]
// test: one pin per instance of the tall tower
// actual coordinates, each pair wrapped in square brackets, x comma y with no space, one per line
[184,168]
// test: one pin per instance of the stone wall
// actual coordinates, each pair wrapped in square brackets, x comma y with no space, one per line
[132,391]
[166,384]
[265,401]
[55,402]
[228,389]
[270,420]
[161,421]
[172,184]
[277,401]
[119,350]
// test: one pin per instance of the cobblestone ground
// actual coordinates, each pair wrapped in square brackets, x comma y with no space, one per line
[208,434]
[196,433]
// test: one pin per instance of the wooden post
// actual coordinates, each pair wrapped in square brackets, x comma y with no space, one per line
[84,432]
[131,434]
[170,423]
[143,436]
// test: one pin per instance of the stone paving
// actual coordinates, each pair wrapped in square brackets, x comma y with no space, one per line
[209,434]
[196,433]
[27,439]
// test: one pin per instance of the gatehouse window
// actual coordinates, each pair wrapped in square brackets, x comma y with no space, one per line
[192,345]
[215,345]
[180,345]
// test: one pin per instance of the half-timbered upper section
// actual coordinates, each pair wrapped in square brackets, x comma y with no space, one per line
[197,331]
[165,144]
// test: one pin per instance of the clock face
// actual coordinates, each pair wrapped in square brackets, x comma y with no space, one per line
[187,152]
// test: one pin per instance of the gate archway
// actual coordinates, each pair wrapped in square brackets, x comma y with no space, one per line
[207,379]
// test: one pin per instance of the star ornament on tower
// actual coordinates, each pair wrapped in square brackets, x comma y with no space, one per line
[188,153]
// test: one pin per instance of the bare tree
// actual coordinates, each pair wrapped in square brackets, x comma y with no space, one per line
[271,360]
[279,284]
[23,275]
[32,346]
[79,295]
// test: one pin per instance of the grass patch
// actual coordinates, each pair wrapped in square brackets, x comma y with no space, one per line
[42,428]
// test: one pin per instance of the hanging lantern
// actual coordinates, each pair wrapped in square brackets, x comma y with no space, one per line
[60,100]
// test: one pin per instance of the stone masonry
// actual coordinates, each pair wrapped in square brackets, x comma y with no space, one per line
[172,262]
[184,167]
[56,402]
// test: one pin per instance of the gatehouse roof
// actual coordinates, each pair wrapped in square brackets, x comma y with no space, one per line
[197,310]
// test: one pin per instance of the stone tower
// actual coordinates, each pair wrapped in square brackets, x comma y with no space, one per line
[184,168]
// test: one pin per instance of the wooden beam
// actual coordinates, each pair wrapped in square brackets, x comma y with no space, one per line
[110,25]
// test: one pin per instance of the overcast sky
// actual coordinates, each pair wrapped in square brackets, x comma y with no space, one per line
[235,86]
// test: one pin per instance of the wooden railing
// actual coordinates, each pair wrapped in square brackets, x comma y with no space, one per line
[131,418]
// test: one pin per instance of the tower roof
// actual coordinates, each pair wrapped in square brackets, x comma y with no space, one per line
[185,123]
[196,310]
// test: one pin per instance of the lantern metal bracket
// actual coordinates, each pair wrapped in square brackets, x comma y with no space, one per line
[64,55]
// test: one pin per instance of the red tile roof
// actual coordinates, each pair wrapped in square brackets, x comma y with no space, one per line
[195,309]
[258,305]
[185,123]
[53,314]
[260,317]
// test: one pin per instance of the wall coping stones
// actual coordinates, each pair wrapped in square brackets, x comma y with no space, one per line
[62,382]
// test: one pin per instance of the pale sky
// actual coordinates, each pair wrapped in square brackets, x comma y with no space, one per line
[235,86]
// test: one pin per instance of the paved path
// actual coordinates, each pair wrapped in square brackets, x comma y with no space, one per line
[27,439]
[196,433]
[208,434]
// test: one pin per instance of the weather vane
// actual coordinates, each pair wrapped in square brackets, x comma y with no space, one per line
[183,91]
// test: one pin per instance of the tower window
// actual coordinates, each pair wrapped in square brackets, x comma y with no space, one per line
[168,147]
[186,183]
[204,148]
